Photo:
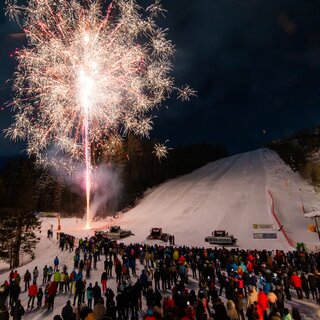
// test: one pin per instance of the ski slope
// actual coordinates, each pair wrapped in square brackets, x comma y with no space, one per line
[231,194]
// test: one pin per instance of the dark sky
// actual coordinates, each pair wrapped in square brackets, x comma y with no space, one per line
[254,63]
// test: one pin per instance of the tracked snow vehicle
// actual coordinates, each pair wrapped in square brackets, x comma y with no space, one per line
[115,232]
[221,237]
[157,234]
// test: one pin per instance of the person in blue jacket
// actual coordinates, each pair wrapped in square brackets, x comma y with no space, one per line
[89,295]
[56,263]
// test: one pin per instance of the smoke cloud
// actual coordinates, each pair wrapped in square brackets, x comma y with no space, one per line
[106,186]
[105,182]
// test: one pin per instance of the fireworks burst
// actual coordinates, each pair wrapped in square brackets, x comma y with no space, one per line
[88,73]
[91,72]
[161,150]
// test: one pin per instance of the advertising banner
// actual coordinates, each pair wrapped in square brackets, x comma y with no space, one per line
[264,235]
[262,226]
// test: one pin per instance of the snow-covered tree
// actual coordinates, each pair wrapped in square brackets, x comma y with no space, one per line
[17,235]
[18,223]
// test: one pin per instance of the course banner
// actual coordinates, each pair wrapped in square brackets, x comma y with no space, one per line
[264,235]
[262,226]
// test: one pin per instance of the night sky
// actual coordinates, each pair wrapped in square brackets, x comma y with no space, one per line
[254,63]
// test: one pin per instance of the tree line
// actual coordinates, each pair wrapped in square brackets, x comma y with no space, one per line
[301,152]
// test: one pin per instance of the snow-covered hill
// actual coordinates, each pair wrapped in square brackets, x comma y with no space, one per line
[231,194]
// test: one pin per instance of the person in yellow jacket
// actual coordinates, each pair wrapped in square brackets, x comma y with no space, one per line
[147,258]
[252,296]
[175,255]
[57,276]
[62,281]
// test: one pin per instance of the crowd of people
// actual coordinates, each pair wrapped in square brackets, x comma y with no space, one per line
[173,283]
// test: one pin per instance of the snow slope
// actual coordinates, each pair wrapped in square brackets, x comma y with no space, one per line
[232,194]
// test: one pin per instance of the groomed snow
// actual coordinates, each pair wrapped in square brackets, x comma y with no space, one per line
[230,194]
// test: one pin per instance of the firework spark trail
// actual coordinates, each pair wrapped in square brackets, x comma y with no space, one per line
[85,88]
[88,171]
[88,75]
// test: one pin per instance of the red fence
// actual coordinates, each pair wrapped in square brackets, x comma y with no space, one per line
[289,240]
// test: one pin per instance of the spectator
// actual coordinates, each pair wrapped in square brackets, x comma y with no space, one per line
[35,273]
[231,310]
[33,292]
[4,313]
[39,298]
[27,279]
[286,315]
[67,311]
[296,283]
[17,311]
[99,310]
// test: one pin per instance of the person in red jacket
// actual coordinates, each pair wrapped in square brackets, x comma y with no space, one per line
[104,279]
[259,312]
[296,283]
[263,303]
[32,292]
[52,291]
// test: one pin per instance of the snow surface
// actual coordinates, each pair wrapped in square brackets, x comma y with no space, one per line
[230,194]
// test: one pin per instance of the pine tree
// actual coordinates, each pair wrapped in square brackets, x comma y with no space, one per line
[18,223]
[17,235]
